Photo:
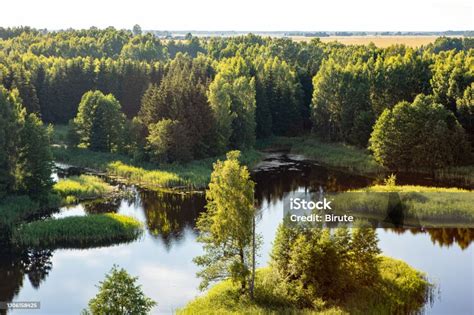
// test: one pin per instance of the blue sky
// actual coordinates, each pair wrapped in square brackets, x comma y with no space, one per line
[244,15]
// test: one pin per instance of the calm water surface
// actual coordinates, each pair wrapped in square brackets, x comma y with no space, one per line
[65,280]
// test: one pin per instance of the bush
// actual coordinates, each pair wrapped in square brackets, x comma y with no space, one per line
[422,135]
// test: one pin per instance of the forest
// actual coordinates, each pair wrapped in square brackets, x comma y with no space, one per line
[175,101]
[159,112]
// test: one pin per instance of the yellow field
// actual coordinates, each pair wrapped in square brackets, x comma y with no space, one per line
[379,41]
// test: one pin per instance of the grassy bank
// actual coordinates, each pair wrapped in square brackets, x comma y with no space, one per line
[195,174]
[336,155]
[78,188]
[78,231]
[400,289]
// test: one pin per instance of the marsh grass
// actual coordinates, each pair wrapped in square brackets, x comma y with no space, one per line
[400,289]
[428,206]
[78,188]
[195,174]
[78,231]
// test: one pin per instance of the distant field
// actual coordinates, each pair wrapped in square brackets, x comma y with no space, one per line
[379,41]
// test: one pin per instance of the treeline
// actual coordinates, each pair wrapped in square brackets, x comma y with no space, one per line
[176,101]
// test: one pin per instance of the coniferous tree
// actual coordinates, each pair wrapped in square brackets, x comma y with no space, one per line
[35,160]
[10,116]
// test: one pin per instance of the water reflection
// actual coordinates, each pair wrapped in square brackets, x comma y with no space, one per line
[279,174]
[168,215]
[15,265]
[444,237]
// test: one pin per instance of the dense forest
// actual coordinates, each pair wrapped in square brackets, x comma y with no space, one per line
[165,100]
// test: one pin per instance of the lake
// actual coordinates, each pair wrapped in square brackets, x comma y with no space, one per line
[64,280]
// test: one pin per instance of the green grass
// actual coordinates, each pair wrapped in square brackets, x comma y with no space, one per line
[399,290]
[77,188]
[195,174]
[336,155]
[78,231]
[428,206]
[15,209]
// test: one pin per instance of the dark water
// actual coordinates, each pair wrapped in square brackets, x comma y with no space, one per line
[65,280]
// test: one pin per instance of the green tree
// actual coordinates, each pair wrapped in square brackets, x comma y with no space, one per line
[465,111]
[341,107]
[227,227]
[181,96]
[10,115]
[397,77]
[364,253]
[452,74]
[119,294]
[232,98]
[168,141]
[137,30]
[279,99]
[403,136]
[99,122]
[35,161]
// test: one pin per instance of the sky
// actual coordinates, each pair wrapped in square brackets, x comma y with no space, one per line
[243,15]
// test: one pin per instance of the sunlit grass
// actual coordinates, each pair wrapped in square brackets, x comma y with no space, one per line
[78,231]
[399,289]
[427,206]
[195,174]
[77,188]
[140,176]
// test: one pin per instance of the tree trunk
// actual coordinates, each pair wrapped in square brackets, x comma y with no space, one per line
[242,260]
[252,281]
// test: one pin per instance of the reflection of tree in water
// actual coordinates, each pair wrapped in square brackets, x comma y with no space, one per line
[102,206]
[274,182]
[463,237]
[169,214]
[14,265]
[38,265]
